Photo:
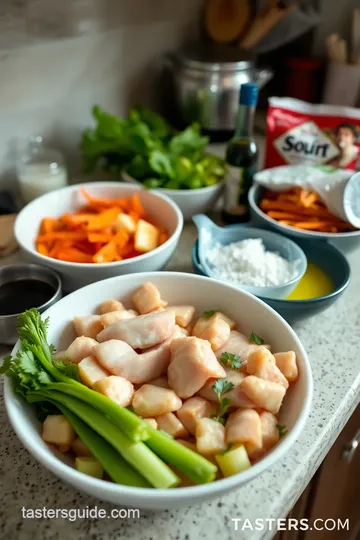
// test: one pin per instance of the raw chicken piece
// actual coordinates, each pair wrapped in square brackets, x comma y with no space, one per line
[269,436]
[171,424]
[110,305]
[117,389]
[238,344]
[183,314]
[244,427]
[152,422]
[194,408]
[221,315]
[188,444]
[151,401]
[261,363]
[192,364]
[215,330]
[160,381]
[80,348]
[266,395]
[184,332]
[286,362]
[120,359]
[236,395]
[141,332]
[147,298]
[115,316]
[90,371]
[210,436]
[133,312]
[87,325]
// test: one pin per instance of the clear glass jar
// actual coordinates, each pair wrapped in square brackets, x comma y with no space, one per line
[39,169]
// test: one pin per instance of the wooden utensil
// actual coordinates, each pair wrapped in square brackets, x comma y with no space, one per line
[8,243]
[226,20]
[265,21]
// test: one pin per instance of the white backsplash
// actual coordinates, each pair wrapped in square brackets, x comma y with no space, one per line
[73,54]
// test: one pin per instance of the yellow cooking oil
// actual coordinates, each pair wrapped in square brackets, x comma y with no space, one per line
[314,283]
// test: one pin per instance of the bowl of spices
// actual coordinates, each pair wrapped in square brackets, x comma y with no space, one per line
[261,262]
[23,286]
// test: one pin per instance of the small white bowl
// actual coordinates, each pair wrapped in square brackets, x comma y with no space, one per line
[74,275]
[190,201]
[204,293]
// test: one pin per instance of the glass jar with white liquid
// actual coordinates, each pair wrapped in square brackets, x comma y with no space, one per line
[39,169]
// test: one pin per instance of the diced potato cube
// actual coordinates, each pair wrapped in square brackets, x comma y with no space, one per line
[147,298]
[57,429]
[210,436]
[152,422]
[89,466]
[266,395]
[124,221]
[146,237]
[90,371]
[171,424]
[117,389]
[286,362]
[234,461]
[80,449]
[108,306]
[192,409]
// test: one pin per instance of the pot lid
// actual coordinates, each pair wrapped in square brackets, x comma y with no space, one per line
[210,57]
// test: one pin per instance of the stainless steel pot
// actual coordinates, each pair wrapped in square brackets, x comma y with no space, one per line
[206,83]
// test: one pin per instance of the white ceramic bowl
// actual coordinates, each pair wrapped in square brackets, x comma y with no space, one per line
[177,288]
[74,275]
[190,201]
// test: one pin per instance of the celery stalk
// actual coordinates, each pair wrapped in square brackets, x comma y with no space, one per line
[196,467]
[137,454]
[116,467]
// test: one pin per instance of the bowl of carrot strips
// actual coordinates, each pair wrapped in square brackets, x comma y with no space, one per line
[300,213]
[99,230]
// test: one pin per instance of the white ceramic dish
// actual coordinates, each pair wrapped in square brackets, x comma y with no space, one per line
[191,201]
[205,294]
[74,275]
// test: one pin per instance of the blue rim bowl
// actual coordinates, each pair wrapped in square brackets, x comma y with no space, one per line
[323,254]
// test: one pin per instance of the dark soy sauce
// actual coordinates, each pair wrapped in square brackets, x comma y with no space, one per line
[18,296]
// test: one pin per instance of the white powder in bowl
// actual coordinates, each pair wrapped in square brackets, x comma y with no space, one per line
[248,263]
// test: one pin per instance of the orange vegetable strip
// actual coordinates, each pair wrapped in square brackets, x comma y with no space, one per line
[62,235]
[96,202]
[107,253]
[41,248]
[74,255]
[102,238]
[136,205]
[103,220]
[48,225]
[163,237]
[315,225]
[277,214]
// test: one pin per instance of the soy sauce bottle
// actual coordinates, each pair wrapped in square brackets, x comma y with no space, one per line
[241,158]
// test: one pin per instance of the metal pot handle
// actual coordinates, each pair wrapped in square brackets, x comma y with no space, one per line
[263,76]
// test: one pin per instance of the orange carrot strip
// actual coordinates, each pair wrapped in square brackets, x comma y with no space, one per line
[136,205]
[62,235]
[74,255]
[163,237]
[107,253]
[48,225]
[102,238]
[103,220]
[41,248]
[97,202]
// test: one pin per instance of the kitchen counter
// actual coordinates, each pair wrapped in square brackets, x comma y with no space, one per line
[332,342]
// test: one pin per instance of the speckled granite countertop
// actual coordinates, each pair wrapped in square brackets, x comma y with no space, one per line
[332,341]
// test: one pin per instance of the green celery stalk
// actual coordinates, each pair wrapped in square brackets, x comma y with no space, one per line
[196,467]
[116,467]
[136,453]
[132,425]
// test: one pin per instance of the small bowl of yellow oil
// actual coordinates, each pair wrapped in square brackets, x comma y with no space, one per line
[326,278]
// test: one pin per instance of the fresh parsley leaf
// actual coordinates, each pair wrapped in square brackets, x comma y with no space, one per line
[220,387]
[230,360]
[5,366]
[209,314]
[282,430]
[254,338]
[227,449]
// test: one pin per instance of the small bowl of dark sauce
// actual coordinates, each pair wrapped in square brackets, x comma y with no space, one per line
[22,287]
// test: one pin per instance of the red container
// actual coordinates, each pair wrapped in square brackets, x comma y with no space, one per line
[302,79]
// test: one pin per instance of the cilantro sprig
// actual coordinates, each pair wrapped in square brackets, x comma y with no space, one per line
[209,314]
[230,360]
[221,387]
[282,430]
[254,338]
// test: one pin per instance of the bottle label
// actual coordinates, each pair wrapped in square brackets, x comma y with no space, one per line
[238,183]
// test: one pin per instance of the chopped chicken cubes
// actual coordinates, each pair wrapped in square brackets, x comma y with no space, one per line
[115,316]
[214,330]
[194,408]
[147,298]
[261,363]
[90,371]
[183,315]
[286,362]
[192,363]
[210,436]
[141,332]
[266,395]
[109,306]
[171,424]
[152,422]
[57,429]
[238,344]
[117,389]
[151,401]
[80,348]
[237,397]
[87,325]
[244,427]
